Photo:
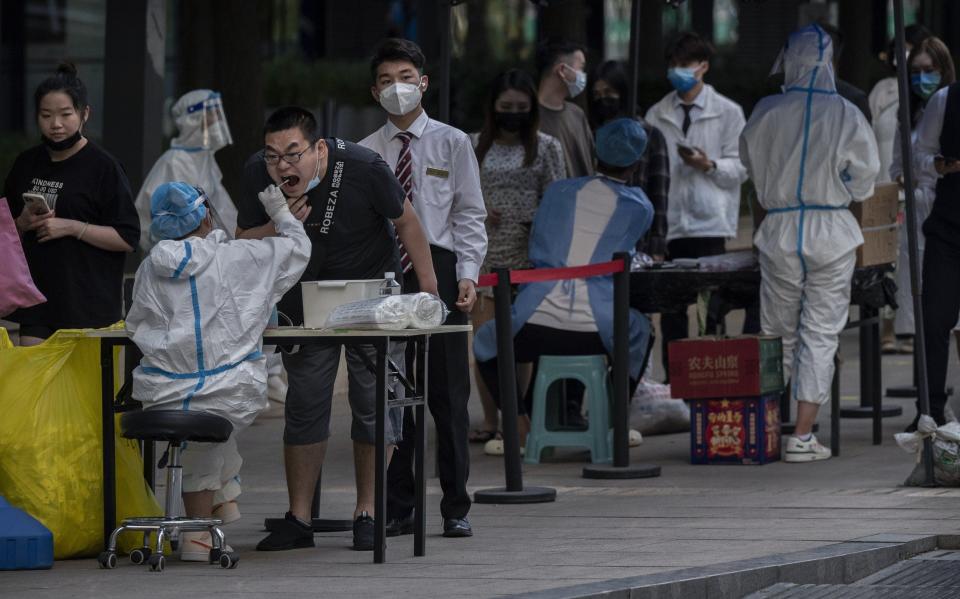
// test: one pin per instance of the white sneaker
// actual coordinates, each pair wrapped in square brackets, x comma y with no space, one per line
[195,546]
[805,451]
[634,438]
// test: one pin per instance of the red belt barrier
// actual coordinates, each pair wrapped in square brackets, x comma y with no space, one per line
[538,275]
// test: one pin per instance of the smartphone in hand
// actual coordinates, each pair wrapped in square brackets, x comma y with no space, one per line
[36,203]
[685,150]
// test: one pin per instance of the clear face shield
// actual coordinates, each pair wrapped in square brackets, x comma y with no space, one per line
[212,211]
[216,131]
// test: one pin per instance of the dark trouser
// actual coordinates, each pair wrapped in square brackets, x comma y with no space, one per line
[673,325]
[533,341]
[941,304]
[447,394]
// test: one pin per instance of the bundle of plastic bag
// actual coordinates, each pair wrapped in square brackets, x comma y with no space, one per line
[654,412]
[946,451]
[50,444]
[390,313]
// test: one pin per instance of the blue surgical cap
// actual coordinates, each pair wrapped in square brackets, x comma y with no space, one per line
[621,142]
[176,209]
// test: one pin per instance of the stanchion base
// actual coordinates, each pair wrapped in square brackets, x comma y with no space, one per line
[787,428]
[525,495]
[908,392]
[319,524]
[610,472]
[867,412]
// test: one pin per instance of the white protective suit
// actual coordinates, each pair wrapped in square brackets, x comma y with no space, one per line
[809,153]
[884,103]
[203,130]
[199,310]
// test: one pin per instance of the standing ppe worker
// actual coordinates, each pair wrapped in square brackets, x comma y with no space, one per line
[198,315]
[809,153]
[203,130]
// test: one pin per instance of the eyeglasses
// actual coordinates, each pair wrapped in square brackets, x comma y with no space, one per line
[291,158]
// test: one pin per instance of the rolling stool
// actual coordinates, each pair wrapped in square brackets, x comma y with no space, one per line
[591,371]
[175,427]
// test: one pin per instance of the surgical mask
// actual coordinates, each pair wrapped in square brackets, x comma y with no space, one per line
[683,79]
[579,83]
[925,84]
[400,98]
[605,109]
[316,177]
[512,122]
[63,144]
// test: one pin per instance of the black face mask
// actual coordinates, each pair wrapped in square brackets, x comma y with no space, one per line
[512,122]
[63,144]
[605,109]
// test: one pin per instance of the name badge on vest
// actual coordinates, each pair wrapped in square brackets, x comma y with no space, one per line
[437,172]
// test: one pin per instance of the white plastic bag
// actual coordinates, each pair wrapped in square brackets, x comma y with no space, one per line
[946,451]
[654,412]
[390,312]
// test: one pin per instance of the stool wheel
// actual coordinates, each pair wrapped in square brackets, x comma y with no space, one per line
[107,560]
[156,563]
[140,555]
[229,560]
[215,556]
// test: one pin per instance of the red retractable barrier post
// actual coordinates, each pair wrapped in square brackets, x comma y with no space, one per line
[621,468]
[513,492]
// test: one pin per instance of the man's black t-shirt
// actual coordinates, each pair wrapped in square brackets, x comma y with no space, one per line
[82,283]
[349,225]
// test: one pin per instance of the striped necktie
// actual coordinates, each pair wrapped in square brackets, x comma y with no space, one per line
[404,173]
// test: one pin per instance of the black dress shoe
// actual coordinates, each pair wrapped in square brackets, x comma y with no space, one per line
[363,532]
[457,527]
[400,526]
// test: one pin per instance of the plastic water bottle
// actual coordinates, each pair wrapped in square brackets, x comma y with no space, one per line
[389,285]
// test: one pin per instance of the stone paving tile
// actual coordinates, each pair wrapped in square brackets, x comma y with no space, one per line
[691,516]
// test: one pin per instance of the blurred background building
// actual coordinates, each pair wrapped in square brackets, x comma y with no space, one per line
[136,56]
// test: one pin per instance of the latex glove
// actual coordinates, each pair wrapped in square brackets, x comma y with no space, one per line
[273,202]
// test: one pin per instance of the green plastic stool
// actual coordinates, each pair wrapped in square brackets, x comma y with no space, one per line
[591,371]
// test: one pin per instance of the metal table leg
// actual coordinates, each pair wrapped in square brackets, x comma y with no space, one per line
[869,325]
[380,486]
[109,444]
[420,502]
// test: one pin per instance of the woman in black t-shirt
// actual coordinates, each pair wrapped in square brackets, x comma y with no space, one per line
[76,238]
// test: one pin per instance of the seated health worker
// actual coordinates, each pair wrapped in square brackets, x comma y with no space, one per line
[200,305]
[580,221]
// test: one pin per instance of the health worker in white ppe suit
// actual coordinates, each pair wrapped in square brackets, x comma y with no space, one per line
[203,130]
[809,153]
[200,306]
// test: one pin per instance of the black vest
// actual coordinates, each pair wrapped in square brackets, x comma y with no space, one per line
[946,207]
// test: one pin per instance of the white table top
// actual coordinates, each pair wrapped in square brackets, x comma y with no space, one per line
[287,332]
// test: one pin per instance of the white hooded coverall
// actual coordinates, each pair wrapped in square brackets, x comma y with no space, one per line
[199,310]
[809,153]
[190,159]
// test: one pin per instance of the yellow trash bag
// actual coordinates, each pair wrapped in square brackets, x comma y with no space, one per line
[50,444]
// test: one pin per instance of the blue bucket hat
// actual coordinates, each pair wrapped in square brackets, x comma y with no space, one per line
[176,209]
[621,142]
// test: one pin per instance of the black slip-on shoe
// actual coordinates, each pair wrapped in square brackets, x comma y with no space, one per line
[290,533]
[457,527]
[363,532]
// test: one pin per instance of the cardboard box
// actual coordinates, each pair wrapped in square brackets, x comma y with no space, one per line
[878,221]
[710,367]
[744,430]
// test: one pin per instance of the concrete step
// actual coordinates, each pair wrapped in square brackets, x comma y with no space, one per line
[932,574]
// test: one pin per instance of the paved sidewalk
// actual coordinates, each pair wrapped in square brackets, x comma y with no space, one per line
[690,516]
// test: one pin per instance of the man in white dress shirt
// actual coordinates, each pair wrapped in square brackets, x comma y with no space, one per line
[702,129]
[437,168]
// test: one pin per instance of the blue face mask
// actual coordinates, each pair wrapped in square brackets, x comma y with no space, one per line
[925,84]
[683,79]
[316,178]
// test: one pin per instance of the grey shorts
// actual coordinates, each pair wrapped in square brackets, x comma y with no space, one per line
[311,374]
